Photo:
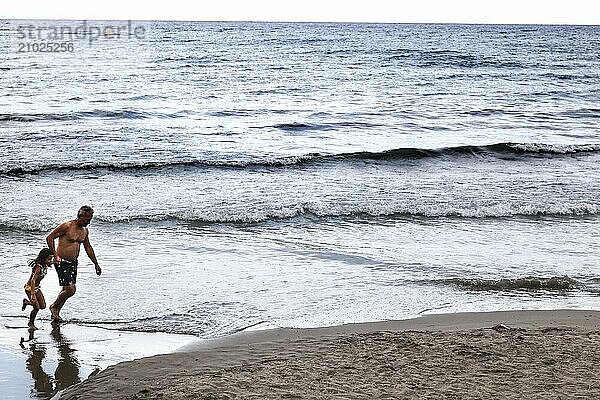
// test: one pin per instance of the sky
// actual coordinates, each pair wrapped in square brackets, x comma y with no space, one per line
[584,12]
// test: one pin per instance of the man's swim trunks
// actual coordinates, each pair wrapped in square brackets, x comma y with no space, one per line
[67,272]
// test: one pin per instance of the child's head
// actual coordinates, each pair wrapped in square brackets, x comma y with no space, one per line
[45,257]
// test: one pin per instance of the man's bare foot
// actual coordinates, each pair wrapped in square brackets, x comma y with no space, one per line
[32,327]
[55,317]
[25,304]
[56,324]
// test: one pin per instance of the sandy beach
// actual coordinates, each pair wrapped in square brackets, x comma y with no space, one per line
[509,355]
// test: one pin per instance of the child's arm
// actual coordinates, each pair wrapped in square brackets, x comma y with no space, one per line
[32,281]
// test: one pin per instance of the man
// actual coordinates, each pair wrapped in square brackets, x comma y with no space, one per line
[71,235]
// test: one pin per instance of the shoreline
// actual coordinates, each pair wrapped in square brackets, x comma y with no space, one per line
[37,364]
[528,353]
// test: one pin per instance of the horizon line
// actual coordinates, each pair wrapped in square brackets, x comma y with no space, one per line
[315,22]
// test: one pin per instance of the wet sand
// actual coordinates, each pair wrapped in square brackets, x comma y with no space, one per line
[39,364]
[509,355]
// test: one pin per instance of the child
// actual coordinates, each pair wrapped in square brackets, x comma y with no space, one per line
[39,268]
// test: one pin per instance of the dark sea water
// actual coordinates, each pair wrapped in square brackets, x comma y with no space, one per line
[299,175]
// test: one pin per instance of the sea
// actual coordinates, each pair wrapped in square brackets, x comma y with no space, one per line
[258,175]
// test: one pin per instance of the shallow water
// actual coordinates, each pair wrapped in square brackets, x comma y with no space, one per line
[41,363]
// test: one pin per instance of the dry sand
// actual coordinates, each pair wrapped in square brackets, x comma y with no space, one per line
[543,355]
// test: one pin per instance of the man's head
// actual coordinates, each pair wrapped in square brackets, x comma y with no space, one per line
[84,215]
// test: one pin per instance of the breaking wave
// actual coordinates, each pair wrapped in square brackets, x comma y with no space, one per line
[500,150]
[315,212]
[528,283]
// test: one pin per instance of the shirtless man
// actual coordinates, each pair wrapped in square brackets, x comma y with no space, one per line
[71,235]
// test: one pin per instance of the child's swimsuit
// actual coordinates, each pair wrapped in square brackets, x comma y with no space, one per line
[43,272]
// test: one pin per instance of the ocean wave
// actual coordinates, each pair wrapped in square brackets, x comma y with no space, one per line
[528,283]
[317,212]
[146,97]
[153,165]
[541,148]
[180,324]
[366,212]
[301,126]
[499,150]
[70,116]
[206,319]
[582,113]
[172,323]
[450,58]
[248,112]
[24,225]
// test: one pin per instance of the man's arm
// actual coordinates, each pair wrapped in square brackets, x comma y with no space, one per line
[56,233]
[90,252]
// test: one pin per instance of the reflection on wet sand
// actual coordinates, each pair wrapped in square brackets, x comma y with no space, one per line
[67,370]
[43,387]
[58,357]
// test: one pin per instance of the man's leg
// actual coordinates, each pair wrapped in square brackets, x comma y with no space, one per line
[63,296]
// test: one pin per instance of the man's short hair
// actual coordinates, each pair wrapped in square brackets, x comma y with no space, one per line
[85,210]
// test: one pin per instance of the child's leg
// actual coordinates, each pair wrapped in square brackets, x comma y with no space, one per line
[41,301]
[32,316]
[27,301]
